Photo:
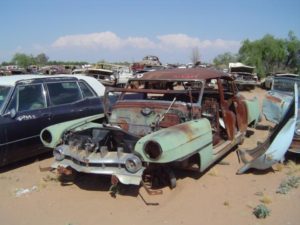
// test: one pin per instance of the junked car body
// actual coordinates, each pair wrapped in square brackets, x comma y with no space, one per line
[273,149]
[277,101]
[184,117]
[243,75]
[106,77]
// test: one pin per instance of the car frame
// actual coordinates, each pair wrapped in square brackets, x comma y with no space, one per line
[186,118]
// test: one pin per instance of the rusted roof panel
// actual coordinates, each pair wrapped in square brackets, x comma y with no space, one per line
[183,74]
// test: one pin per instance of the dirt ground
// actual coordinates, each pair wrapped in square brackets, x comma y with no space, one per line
[218,196]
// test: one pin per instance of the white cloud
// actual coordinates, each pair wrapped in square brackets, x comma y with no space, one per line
[139,42]
[178,41]
[175,47]
[107,40]
[185,41]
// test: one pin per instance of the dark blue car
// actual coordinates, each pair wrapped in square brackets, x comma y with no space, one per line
[29,103]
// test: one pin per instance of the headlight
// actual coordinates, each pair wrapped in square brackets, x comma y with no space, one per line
[152,150]
[58,153]
[133,164]
[297,129]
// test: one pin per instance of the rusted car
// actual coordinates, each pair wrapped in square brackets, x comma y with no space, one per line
[243,75]
[148,63]
[186,118]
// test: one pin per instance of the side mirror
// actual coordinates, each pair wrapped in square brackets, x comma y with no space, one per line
[11,113]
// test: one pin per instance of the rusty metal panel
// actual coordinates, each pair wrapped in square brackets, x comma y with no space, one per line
[183,74]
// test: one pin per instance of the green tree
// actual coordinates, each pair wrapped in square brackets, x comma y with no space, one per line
[293,52]
[222,60]
[41,59]
[23,60]
[271,55]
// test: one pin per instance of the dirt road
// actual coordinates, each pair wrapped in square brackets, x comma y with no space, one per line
[219,196]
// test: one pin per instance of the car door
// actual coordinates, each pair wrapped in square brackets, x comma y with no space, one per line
[228,115]
[71,100]
[26,115]
[238,106]
[64,97]
[91,103]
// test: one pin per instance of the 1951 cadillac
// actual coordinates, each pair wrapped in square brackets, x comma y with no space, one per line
[181,117]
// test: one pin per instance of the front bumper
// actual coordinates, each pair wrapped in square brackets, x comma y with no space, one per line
[112,163]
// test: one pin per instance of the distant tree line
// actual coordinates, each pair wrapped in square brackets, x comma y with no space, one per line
[267,55]
[24,60]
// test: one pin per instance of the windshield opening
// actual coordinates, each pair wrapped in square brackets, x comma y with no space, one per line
[185,91]
[285,85]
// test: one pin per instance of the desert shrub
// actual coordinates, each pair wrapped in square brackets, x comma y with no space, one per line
[289,183]
[261,211]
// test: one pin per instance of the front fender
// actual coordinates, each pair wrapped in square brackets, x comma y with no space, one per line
[51,136]
[179,142]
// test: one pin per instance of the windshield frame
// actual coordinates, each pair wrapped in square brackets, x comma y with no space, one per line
[285,81]
[3,102]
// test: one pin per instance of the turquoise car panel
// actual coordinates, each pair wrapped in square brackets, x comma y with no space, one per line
[253,110]
[56,131]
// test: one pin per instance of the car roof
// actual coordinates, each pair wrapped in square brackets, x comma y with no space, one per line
[11,80]
[183,74]
[287,75]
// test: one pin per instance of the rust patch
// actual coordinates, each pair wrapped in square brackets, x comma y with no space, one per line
[273,99]
[186,129]
[230,121]
[169,120]
[63,170]
[123,124]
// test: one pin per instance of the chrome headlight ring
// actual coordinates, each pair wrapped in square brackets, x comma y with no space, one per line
[58,153]
[133,164]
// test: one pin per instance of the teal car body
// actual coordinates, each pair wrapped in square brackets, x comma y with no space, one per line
[188,118]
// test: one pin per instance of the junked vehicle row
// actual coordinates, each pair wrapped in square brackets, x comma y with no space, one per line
[139,132]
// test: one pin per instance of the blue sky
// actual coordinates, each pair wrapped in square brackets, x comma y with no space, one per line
[91,30]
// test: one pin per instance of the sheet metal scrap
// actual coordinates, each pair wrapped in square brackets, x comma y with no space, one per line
[276,145]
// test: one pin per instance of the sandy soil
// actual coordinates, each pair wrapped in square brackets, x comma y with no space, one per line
[218,196]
